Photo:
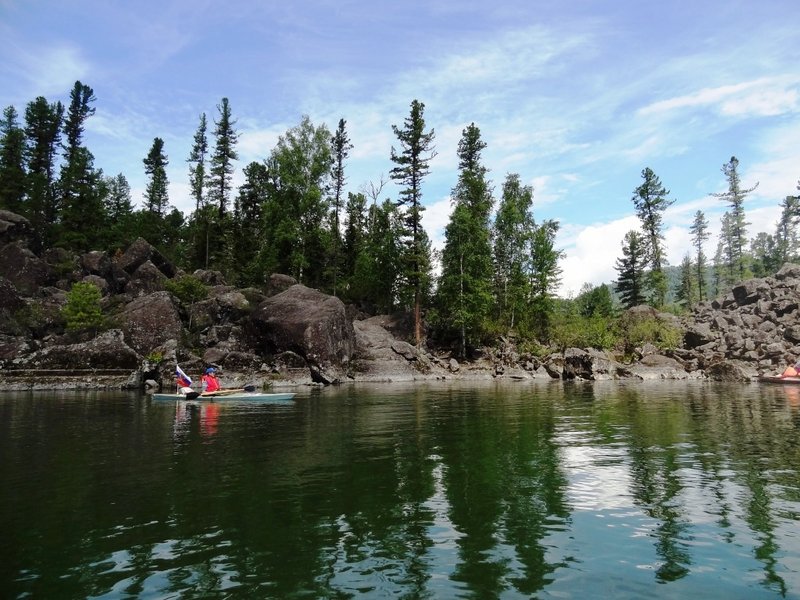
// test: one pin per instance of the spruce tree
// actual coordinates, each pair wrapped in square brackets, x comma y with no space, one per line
[632,269]
[786,231]
[650,201]
[412,165]
[699,231]
[737,238]
[221,171]
[12,162]
[219,187]
[156,195]
[247,221]
[82,214]
[119,207]
[200,224]
[340,148]
[686,286]
[43,123]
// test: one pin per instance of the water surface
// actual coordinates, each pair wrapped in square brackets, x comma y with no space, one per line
[546,490]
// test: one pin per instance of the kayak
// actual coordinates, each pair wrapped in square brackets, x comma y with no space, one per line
[233,395]
[779,379]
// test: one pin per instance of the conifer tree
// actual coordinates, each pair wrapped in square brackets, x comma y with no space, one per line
[340,147]
[156,195]
[119,207]
[43,123]
[699,231]
[12,162]
[201,219]
[221,171]
[217,251]
[686,286]
[650,201]
[354,240]
[82,214]
[412,165]
[786,239]
[631,268]
[247,221]
[737,238]
[464,296]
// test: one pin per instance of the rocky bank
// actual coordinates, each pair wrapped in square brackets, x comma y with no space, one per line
[286,334]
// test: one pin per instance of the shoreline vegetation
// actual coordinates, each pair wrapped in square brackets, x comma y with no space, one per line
[295,279]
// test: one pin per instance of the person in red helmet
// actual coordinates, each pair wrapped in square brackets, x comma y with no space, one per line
[209,380]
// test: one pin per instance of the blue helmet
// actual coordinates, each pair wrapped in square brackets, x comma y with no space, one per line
[210,370]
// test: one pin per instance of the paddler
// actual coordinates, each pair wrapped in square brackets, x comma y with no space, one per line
[209,380]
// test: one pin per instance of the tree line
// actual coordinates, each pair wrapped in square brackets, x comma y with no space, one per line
[293,214]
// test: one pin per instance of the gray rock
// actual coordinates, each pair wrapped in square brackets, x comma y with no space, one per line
[150,321]
[310,323]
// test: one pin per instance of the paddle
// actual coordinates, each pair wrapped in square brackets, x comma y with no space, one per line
[247,388]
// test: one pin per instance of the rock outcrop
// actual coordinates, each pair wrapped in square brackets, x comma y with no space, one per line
[311,324]
[286,333]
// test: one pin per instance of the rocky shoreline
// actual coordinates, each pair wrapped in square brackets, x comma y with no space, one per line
[288,335]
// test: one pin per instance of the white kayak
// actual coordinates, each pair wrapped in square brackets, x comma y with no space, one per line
[226,395]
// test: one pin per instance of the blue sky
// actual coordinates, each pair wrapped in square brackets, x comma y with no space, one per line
[576,96]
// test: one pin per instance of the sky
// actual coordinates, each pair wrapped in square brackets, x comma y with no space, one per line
[578,97]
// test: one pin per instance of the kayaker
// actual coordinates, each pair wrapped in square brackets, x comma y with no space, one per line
[792,371]
[209,380]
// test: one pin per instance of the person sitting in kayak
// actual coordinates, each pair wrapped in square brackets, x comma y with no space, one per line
[209,380]
[792,371]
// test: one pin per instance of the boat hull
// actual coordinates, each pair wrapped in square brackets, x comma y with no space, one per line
[251,396]
[779,379]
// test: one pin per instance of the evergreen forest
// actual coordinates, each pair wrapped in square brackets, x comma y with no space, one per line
[495,277]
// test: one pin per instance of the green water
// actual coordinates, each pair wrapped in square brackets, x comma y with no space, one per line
[668,490]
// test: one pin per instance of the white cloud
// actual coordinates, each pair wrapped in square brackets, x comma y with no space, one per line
[591,256]
[767,96]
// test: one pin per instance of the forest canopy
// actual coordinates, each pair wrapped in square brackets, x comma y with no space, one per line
[498,270]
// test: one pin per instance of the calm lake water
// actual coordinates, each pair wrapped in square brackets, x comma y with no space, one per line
[547,490]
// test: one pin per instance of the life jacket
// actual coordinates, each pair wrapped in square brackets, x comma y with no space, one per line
[210,383]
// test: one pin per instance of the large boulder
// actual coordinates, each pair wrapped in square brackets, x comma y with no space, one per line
[15,228]
[145,279]
[107,351]
[140,252]
[149,321]
[382,357]
[589,364]
[26,271]
[310,323]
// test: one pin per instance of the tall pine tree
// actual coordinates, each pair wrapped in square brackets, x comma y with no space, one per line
[156,194]
[82,211]
[412,165]
[699,231]
[43,122]
[650,201]
[736,240]
[340,147]
[12,162]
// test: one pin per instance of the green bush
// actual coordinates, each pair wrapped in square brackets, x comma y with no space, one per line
[188,289]
[82,310]
[638,330]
